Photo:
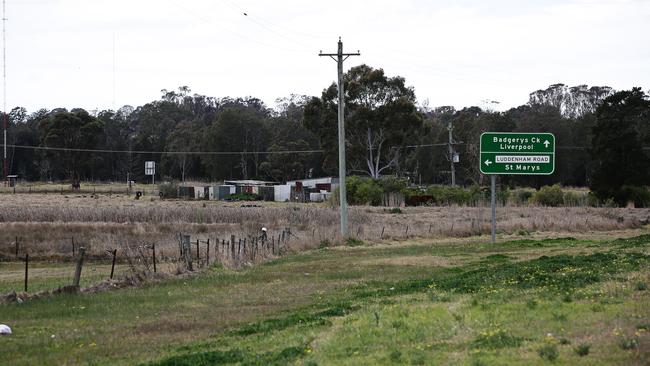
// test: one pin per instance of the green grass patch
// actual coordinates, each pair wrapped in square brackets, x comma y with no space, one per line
[365,305]
[640,241]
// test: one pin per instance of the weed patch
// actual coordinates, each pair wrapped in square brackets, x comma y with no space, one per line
[496,339]
[582,350]
[352,242]
[548,352]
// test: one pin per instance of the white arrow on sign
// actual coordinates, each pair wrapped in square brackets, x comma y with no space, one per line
[488,162]
[546,143]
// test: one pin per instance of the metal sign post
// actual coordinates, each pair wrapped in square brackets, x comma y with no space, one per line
[521,153]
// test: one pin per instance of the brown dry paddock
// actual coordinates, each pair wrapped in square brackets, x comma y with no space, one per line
[46,225]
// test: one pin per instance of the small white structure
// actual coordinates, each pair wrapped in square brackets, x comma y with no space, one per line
[282,193]
[4,329]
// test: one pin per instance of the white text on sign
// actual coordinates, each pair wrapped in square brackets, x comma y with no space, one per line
[505,159]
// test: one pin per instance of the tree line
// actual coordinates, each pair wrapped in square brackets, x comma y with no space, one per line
[602,137]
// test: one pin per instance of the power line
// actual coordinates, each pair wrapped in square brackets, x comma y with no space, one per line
[143,152]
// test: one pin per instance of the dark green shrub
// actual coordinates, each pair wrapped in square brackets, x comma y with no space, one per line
[245,196]
[549,196]
[444,195]
[395,210]
[628,343]
[503,195]
[324,244]
[395,356]
[352,242]
[369,193]
[582,350]
[548,352]
[392,184]
[522,196]
[639,195]
[363,191]
[168,190]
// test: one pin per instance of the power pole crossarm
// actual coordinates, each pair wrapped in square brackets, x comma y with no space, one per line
[339,57]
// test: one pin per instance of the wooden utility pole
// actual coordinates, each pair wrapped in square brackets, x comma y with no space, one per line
[452,154]
[339,57]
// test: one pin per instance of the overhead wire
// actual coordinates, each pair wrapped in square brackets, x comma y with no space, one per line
[250,16]
[237,34]
[144,152]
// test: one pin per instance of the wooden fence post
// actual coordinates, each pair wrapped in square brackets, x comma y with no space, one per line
[73,248]
[113,265]
[207,253]
[17,246]
[382,232]
[407,231]
[232,247]
[26,269]
[153,248]
[80,263]
[187,251]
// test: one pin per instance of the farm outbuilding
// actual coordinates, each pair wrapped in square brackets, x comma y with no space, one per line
[306,190]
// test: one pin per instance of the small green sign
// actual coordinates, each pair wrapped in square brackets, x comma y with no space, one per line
[517,153]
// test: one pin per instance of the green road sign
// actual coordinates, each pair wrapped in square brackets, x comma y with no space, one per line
[517,153]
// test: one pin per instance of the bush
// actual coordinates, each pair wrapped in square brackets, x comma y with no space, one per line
[549,196]
[574,199]
[521,196]
[245,196]
[444,195]
[628,343]
[352,242]
[360,191]
[548,352]
[582,350]
[369,192]
[639,195]
[392,184]
[168,190]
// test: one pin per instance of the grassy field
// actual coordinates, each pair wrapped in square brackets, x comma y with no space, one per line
[566,300]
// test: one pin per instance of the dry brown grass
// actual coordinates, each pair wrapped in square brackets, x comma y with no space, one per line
[46,224]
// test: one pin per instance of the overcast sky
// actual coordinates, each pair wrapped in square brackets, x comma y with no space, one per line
[102,54]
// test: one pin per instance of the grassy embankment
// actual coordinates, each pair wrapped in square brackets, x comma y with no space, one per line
[571,301]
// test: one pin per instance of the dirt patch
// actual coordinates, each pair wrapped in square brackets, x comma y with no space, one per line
[412,261]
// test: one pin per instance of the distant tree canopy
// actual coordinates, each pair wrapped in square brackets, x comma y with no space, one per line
[602,136]
[621,164]
[380,117]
